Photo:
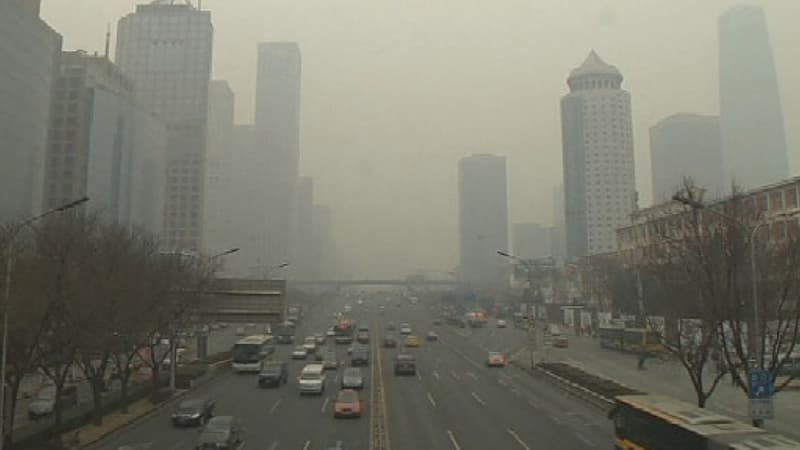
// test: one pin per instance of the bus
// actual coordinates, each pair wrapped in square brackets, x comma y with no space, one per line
[645,422]
[251,351]
[636,340]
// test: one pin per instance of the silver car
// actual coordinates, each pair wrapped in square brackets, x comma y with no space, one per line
[352,378]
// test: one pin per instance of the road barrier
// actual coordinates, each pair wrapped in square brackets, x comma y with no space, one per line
[379,430]
[593,389]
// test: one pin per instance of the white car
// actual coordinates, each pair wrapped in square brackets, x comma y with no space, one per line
[405,330]
[501,323]
[330,333]
[299,352]
[310,344]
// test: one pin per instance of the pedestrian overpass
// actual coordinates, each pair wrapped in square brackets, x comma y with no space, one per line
[411,281]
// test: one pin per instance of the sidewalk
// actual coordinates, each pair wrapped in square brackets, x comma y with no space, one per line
[670,378]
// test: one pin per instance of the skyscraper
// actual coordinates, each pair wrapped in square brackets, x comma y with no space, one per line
[116,149]
[599,180]
[165,49]
[483,218]
[686,145]
[751,119]
[29,53]
[277,127]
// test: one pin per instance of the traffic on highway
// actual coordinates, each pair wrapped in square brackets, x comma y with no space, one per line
[371,373]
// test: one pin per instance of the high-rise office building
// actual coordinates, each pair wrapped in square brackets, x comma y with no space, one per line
[324,267]
[277,127]
[102,145]
[164,48]
[483,218]
[599,179]
[218,229]
[686,146]
[751,119]
[29,53]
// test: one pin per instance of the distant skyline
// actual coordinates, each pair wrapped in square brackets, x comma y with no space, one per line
[395,90]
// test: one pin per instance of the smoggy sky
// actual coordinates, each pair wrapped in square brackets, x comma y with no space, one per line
[395,92]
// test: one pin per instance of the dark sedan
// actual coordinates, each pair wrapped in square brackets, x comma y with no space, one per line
[220,433]
[193,411]
[273,373]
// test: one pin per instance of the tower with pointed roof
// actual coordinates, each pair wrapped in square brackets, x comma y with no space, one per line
[597,145]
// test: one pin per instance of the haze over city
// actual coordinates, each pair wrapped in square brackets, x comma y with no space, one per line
[393,94]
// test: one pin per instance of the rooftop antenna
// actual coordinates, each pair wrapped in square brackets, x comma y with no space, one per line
[108,40]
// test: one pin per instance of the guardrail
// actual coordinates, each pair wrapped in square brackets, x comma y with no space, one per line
[379,433]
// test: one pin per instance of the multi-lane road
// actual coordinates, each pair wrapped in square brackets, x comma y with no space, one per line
[455,401]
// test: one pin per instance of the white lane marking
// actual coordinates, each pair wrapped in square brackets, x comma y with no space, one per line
[308,444]
[241,446]
[478,399]
[584,440]
[454,375]
[273,446]
[275,406]
[453,440]
[324,405]
[472,375]
[435,375]
[431,400]
[518,439]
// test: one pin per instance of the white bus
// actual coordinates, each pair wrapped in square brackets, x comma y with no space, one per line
[251,351]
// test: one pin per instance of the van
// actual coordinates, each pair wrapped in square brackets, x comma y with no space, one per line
[312,379]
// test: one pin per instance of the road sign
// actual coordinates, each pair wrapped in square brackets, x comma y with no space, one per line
[761,384]
[761,408]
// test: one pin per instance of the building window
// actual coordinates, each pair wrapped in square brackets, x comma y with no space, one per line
[790,198]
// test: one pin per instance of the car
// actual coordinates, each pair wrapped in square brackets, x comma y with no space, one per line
[273,373]
[437,321]
[412,341]
[318,354]
[390,326]
[501,323]
[496,359]
[405,329]
[362,337]
[330,333]
[352,378]
[310,343]
[389,341]
[311,379]
[347,404]
[344,339]
[299,352]
[405,364]
[431,336]
[560,341]
[319,338]
[193,411]
[220,433]
[329,361]
[360,357]
[43,404]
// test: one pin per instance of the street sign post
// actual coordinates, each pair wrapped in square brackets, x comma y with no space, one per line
[762,387]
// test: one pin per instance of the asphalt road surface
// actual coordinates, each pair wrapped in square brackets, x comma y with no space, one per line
[454,403]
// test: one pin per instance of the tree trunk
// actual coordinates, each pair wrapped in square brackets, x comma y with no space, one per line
[97,400]
[155,379]
[123,389]
[8,429]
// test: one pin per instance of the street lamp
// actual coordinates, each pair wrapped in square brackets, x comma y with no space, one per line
[225,253]
[530,265]
[12,235]
[280,265]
